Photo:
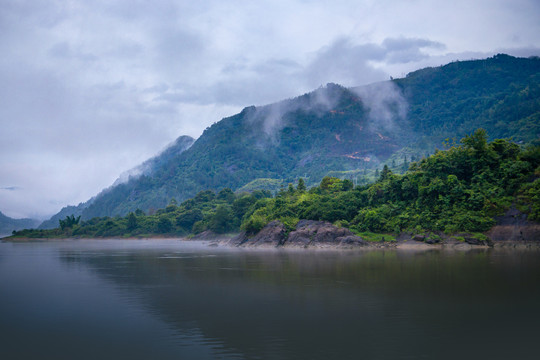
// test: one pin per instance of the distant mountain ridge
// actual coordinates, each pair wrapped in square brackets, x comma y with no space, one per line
[7,224]
[147,168]
[335,129]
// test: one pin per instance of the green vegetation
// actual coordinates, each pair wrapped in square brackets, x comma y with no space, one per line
[460,189]
[334,131]
[457,190]
[220,213]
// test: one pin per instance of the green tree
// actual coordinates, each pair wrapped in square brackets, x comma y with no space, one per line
[301,185]
[223,220]
[164,225]
[188,218]
[290,189]
[227,195]
[347,185]
[69,221]
[131,221]
[385,173]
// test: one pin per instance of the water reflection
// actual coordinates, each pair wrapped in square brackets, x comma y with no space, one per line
[174,299]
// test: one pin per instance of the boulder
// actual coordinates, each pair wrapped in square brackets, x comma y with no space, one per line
[314,233]
[474,241]
[420,238]
[272,235]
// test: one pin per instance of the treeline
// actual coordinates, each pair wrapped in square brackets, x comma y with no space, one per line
[459,189]
[220,212]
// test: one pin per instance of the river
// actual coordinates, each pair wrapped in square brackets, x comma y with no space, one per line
[171,299]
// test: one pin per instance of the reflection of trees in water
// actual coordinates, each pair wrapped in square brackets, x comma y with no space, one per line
[313,304]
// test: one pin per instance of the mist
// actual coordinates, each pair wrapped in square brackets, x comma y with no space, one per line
[272,118]
[386,105]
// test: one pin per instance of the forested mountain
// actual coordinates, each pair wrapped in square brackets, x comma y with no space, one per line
[460,192]
[7,224]
[348,133]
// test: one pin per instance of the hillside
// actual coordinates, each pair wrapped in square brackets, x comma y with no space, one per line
[7,224]
[342,132]
[147,168]
[455,194]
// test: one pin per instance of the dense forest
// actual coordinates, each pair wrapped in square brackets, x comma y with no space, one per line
[458,189]
[340,132]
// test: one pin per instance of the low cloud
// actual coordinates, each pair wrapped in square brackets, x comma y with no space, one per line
[272,118]
[386,105]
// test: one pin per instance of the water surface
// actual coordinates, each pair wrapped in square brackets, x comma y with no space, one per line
[168,299]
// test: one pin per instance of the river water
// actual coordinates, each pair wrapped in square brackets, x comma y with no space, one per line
[169,299]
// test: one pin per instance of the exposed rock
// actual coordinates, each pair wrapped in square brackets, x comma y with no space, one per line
[474,241]
[420,238]
[352,240]
[320,233]
[308,233]
[513,226]
[206,235]
[272,235]
[431,241]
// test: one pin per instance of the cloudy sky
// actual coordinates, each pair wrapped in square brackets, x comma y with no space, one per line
[89,89]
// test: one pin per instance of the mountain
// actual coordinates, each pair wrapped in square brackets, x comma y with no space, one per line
[7,224]
[147,168]
[345,132]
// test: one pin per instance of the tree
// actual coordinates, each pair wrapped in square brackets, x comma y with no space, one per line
[301,185]
[188,218]
[226,194]
[328,182]
[290,189]
[173,204]
[476,141]
[385,173]
[347,185]
[69,221]
[223,220]
[131,221]
[164,225]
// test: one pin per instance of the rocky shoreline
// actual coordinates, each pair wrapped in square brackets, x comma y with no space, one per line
[511,231]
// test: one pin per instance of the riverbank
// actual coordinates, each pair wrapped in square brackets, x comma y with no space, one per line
[512,231]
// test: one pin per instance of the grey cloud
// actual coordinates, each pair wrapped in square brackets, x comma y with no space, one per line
[345,63]
[520,51]
[157,89]
[342,62]
[398,44]
[40,13]
[10,188]
[64,50]
[405,50]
